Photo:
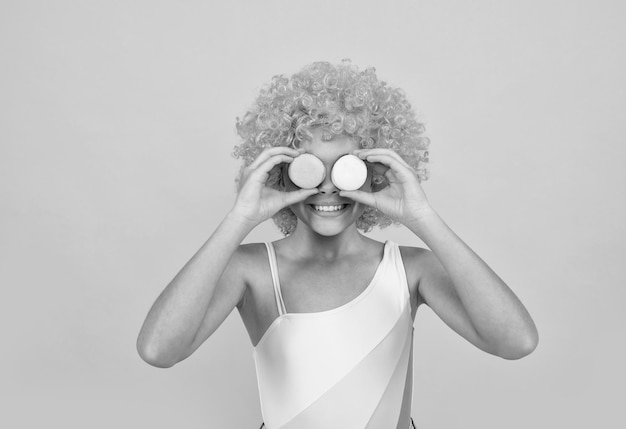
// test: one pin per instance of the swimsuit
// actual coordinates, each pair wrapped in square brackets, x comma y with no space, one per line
[345,368]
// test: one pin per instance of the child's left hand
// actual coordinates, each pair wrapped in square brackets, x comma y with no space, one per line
[403,199]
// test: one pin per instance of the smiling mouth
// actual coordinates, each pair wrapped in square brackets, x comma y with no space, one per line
[328,208]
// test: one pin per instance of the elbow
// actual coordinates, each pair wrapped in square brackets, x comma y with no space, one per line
[524,346]
[153,357]
[158,363]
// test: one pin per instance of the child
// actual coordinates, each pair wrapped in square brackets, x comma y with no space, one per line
[329,311]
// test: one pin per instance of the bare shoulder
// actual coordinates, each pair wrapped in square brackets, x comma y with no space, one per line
[249,262]
[249,252]
[248,256]
[416,261]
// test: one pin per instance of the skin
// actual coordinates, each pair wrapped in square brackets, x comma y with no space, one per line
[326,262]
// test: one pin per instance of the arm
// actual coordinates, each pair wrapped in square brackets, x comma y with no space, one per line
[468,296]
[167,335]
[212,283]
[462,290]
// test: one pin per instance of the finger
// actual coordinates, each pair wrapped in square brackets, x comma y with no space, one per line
[366,198]
[294,197]
[392,162]
[363,153]
[377,151]
[272,151]
[263,170]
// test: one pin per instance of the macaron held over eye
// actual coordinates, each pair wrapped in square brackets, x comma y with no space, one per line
[349,173]
[307,171]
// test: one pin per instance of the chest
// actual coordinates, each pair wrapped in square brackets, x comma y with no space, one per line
[312,286]
[306,287]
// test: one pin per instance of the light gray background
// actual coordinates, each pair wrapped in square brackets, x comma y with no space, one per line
[116,127]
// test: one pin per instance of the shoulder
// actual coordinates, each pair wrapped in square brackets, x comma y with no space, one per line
[247,263]
[251,250]
[249,257]
[414,255]
[419,261]
[416,261]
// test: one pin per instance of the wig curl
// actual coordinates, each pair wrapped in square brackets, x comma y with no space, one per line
[338,99]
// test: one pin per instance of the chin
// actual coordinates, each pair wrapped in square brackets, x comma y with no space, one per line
[327,230]
[325,225]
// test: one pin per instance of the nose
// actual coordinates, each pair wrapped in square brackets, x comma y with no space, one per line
[327,186]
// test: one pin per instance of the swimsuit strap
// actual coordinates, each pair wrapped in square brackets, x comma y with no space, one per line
[271,254]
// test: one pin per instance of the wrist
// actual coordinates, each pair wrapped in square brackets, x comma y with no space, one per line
[420,219]
[239,221]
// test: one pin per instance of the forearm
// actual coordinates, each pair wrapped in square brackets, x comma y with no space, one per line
[178,312]
[497,315]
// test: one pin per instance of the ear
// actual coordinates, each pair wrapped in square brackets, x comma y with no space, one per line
[378,179]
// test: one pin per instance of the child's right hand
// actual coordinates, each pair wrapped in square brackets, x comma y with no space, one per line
[257,202]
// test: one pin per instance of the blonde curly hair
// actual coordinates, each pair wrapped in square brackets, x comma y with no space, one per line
[338,99]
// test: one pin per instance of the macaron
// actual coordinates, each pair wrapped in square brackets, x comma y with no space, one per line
[306,171]
[349,173]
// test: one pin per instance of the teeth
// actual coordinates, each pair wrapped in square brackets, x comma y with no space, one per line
[329,208]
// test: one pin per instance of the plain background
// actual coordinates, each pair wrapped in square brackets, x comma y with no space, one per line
[117,125]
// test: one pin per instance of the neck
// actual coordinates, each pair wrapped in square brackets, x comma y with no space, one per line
[307,243]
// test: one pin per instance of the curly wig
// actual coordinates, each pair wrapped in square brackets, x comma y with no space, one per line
[338,99]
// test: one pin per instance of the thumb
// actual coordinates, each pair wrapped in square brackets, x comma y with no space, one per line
[297,196]
[366,198]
